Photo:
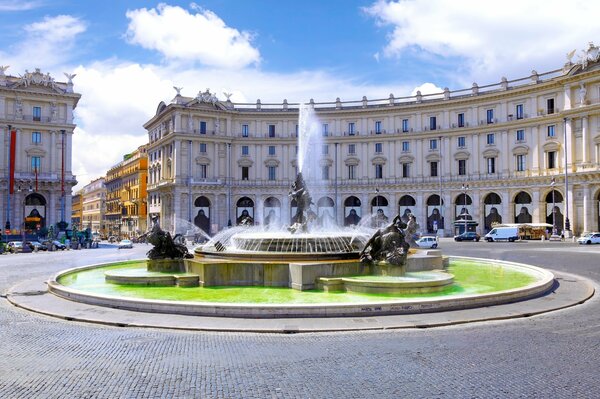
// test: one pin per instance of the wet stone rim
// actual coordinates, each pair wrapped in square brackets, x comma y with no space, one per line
[544,284]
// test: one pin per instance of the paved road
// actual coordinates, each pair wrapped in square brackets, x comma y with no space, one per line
[553,355]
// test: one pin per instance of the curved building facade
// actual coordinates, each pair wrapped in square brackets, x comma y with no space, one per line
[521,151]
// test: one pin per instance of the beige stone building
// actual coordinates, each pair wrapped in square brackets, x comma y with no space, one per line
[94,206]
[524,150]
[36,126]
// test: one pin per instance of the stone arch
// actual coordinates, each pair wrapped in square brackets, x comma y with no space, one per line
[203,209]
[435,220]
[380,211]
[326,211]
[406,206]
[523,207]
[492,211]
[244,212]
[352,211]
[272,211]
[555,210]
[35,211]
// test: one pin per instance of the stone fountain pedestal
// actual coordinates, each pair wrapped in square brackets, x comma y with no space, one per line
[330,275]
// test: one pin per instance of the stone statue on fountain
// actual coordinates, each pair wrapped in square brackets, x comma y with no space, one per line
[304,214]
[387,245]
[165,246]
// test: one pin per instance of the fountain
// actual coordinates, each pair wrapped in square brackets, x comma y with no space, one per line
[356,262]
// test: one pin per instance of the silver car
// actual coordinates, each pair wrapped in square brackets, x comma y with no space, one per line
[125,244]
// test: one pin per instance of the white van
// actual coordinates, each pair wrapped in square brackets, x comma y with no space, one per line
[503,233]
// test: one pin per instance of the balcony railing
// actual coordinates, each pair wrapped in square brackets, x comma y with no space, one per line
[32,118]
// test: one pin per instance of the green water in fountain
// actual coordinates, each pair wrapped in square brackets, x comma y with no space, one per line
[470,277]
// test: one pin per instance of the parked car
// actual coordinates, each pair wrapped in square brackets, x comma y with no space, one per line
[468,236]
[112,239]
[37,246]
[125,244]
[589,238]
[427,242]
[15,246]
[503,233]
[53,245]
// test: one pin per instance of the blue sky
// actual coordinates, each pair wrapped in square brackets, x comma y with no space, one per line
[129,54]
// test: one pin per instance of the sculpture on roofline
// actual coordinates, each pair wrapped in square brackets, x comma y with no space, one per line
[69,77]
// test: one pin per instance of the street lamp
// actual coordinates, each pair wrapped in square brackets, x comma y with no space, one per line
[553,210]
[465,188]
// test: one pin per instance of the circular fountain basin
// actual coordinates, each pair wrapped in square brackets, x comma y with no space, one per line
[478,282]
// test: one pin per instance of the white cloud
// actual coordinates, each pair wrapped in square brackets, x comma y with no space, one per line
[489,38]
[427,88]
[18,5]
[202,36]
[47,44]
[94,154]
[56,29]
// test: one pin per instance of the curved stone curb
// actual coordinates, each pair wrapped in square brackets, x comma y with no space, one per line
[570,290]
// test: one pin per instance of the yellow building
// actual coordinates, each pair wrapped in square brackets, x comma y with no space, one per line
[126,208]
[77,209]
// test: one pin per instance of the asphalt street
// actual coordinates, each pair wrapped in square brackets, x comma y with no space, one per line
[552,355]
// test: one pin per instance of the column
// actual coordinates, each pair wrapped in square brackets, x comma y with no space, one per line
[365,204]
[588,208]
[68,207]
[569,144]
[536,166]
[567,97]
[507,214]
[365,163]
[446,156]
[448,214]
[584,140]
[420,161]
[539,210]
[421,214]
[52,152]
[475,154]
[68,153]
[571,214]
[478,208]
[506,153]
[4,143]
[176,160]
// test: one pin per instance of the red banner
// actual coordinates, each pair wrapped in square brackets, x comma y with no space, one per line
[13,147]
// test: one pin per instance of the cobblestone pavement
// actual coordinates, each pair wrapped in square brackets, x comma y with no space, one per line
[552,355]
